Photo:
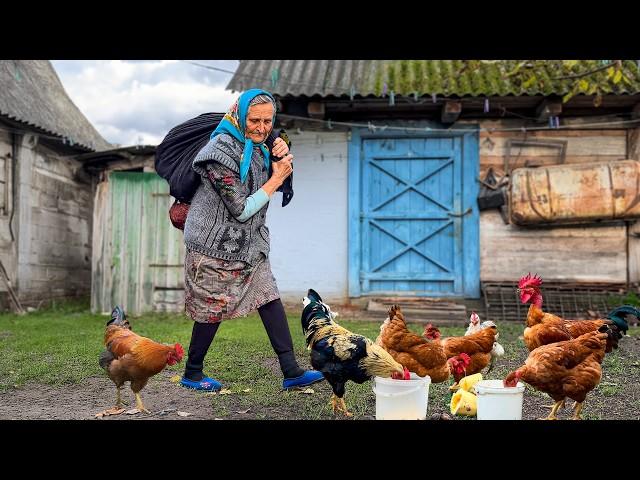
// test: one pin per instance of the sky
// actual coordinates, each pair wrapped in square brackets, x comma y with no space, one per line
[133,102]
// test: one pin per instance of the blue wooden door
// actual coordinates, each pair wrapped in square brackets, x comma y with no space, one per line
[412,213]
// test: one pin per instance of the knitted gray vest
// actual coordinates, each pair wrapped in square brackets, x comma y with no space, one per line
[210,228]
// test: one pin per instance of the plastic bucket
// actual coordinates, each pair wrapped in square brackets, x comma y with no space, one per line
[496,402]
[464,403]
[402,399]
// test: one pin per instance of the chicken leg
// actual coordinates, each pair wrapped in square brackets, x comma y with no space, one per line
[119,401]
[140,405]
[577,410]
[561,406]
[339,405]
[554,410]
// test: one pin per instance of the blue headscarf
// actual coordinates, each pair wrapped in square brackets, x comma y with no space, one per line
[235,123]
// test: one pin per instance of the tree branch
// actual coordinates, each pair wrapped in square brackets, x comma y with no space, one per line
[584,74]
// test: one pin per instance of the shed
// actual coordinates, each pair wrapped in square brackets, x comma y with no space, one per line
[45,195]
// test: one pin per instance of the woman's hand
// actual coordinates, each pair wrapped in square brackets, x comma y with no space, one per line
[280,148]
[283,168]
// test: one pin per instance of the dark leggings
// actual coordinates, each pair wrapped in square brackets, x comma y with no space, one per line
[275,323]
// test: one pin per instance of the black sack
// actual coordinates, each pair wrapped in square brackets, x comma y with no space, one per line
[175,154]
[491,197]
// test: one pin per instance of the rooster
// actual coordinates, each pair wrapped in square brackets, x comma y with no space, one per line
[340,354]
[566,369]
[416,353]
[131,357]
[544,328]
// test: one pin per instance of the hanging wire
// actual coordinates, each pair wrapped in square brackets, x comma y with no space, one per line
[553,125]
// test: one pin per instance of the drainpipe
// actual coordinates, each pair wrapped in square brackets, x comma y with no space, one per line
[15,138]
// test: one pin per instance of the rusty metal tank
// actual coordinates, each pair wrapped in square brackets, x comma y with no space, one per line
[574,194]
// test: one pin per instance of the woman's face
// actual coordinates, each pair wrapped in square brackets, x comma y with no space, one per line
[259,122]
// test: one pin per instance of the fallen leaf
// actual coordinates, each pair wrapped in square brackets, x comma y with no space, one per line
[175,379]
[225,391]
[309,391]
[183,414]
[246,390]
[133,411]
[110,411]
[243,411]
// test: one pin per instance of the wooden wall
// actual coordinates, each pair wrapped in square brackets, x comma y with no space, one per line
[590,253]
[52,226]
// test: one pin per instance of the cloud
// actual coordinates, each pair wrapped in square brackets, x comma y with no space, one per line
[130,102]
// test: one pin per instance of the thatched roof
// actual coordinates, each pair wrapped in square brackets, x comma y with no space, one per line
[31,93]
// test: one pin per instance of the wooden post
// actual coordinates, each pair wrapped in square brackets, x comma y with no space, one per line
[633,144]
[633,228]
[633,259]
[451,111]
[17,307]
[24,181]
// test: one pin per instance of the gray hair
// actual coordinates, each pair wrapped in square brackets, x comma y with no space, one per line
[263,98]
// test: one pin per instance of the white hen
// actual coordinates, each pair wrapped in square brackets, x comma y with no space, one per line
[476,326]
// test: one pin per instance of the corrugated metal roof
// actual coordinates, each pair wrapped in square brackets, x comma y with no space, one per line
[405,77]
[31,93]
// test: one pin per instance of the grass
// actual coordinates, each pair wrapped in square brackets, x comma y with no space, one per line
[61,345]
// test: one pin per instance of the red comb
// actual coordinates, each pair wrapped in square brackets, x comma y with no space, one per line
[179,350]
[529,281]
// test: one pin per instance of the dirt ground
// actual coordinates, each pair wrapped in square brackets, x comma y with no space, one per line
[616,398]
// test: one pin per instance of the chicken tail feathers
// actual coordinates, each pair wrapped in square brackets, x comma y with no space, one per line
[119,318]
[618,314]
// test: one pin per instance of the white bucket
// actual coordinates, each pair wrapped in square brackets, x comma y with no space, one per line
[497,402]
[402,399]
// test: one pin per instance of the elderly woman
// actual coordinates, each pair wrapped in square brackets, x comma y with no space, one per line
[227,270]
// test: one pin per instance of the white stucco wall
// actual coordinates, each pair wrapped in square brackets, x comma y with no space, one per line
[309,236]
